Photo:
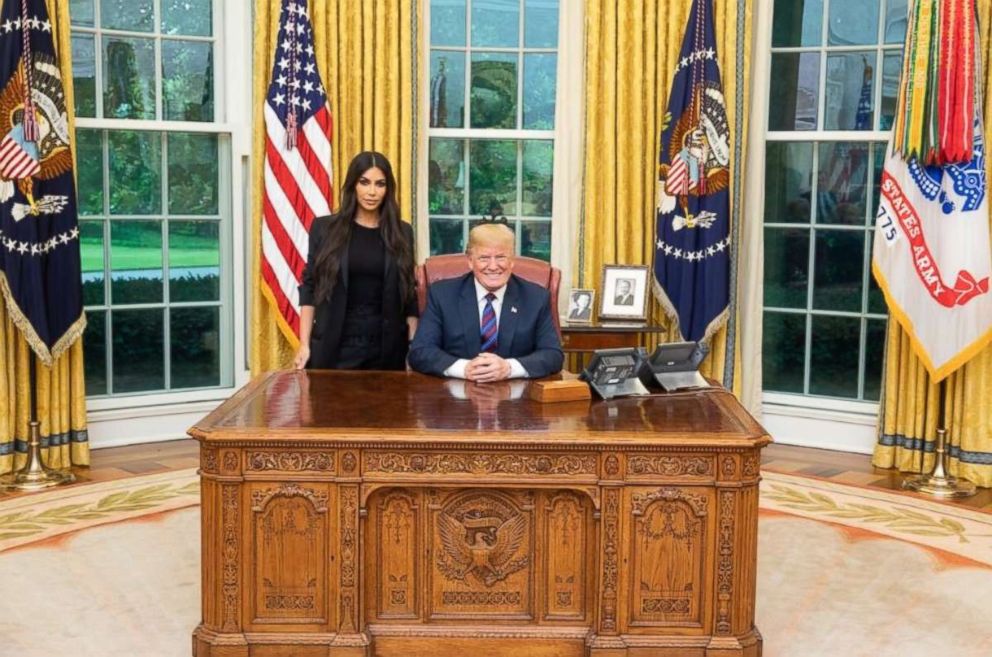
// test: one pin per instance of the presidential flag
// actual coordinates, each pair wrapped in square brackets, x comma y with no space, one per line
[931,253]
[692,231]
[39,230]
[297,163]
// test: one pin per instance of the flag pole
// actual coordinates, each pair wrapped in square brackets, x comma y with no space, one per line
[35,475]
[937,482]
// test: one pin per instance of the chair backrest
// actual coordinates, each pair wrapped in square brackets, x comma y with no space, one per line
[440,267]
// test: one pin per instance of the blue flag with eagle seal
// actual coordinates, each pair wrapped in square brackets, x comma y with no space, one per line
[692,229]
[39,229]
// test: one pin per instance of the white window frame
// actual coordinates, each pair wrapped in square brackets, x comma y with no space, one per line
[149,417]
[796,419]
[569,117]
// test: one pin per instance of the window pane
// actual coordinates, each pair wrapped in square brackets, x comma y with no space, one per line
[447,89]
[540,23]
[84,74]
[494,90]
[841,192]
[81,13]
[135,172]
[784,346]
[786,267]
[794,95]
[540,82]
[194,337]
[95,348]
[535,239]
[194,17]
[895,21]
[878,162]
[91,254]
[193,173]
[797,23]
[853,22]
[134,15]
[187,80]
[89,172]
[448,22]
[891,71]
[788,172]
[839,269]
[135,262]
[139,362]
[446,176]
[128,78]
[496,23]
[446,236]
[492,176]
[849,91]
[834,356]
[194,261]
[874,353]
[537,182]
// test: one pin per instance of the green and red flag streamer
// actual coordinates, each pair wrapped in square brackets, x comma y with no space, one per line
[937,91]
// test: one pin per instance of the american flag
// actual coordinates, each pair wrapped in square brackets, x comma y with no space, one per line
[297,161]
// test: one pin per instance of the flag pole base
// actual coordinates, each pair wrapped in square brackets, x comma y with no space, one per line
[937,483]
[35,475]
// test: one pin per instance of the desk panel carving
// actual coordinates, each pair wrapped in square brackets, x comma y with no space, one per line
[590,534]
[464,463]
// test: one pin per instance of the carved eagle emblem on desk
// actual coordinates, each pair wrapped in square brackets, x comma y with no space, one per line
[483,546]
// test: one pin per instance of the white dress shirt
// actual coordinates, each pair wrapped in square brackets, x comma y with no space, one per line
[457,369]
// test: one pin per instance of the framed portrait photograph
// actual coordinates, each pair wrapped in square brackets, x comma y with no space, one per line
[625,293]
[580,306]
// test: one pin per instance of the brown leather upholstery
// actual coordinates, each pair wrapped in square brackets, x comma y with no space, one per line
[440,267]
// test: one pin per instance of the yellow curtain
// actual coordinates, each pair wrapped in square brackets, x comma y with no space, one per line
[61,392]
[631,51]
[366,54]
[910,399]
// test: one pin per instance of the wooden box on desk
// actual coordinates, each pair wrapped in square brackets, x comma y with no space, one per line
[563,387]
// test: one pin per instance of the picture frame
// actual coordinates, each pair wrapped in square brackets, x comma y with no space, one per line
[624,291]
[580,306]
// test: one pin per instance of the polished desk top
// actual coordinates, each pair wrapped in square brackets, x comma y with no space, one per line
[406,407]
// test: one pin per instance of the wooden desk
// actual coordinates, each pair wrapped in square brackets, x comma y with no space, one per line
[355,514]
[577,338]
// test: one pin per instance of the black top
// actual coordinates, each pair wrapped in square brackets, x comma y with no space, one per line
[366,269]
[363,324]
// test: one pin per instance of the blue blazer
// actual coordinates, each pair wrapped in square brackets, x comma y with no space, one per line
[449,327]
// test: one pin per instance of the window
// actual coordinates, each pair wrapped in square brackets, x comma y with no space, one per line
[154,195]
[491,117]
[829,113]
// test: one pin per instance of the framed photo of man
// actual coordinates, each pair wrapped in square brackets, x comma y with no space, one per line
[580,306]
[625,293]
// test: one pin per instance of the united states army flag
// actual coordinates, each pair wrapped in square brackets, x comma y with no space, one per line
[931,255]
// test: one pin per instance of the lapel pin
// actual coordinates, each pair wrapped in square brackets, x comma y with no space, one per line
[513,309]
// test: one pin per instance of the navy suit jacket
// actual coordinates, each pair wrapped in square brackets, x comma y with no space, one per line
[449,327]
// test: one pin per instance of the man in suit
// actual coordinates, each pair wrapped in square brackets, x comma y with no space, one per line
[487,325]
[623,297]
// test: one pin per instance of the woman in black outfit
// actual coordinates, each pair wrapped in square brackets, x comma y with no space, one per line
[358,306]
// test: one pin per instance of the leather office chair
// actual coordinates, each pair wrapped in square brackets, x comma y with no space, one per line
[440,267]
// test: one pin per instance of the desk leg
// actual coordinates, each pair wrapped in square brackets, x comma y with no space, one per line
[734,633]
[606,642]
[220,633]
[351,640]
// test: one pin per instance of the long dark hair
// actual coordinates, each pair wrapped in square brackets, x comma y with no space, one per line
[327,261]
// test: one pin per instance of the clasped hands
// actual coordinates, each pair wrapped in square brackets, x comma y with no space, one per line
[486,368]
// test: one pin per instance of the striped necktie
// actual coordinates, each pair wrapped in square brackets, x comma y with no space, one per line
[488,327]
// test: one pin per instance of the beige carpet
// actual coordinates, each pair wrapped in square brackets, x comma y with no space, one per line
[113,569]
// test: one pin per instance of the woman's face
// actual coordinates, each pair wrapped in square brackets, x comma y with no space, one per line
[371,189]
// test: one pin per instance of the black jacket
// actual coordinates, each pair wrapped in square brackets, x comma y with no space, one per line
[328,318]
